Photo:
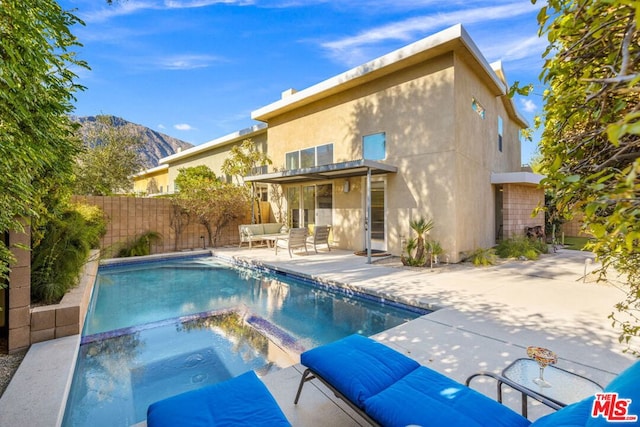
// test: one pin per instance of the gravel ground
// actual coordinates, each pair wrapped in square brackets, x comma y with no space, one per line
[8,365]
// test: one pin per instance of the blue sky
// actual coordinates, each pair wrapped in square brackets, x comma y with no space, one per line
[195,69]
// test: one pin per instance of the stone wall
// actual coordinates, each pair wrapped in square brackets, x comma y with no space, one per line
[519,202]
[129,217]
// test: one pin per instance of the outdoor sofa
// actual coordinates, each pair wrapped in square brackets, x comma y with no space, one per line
[387,388]
[268,232]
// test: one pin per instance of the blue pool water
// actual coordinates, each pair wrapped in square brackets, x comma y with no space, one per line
[156,329]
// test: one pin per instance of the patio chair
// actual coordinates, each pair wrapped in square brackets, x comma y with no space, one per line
[320,237]
[297,238]
[388,388]
[240,401]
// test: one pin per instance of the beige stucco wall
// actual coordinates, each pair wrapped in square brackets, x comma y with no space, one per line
[141,183]
[405,106]
[477,156]
[444,151]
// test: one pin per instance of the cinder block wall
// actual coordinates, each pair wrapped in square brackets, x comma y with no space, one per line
[20,291]
[129,217]
[519,202]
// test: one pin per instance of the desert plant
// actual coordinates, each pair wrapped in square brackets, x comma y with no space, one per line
[59,255]
[521,247]
[409,260]
[420,226]
[140,245]
[434,249]
[482,257]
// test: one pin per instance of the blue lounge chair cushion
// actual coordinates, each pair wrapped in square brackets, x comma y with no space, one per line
[358,367]
[240,401]
[580,414]
[427,398]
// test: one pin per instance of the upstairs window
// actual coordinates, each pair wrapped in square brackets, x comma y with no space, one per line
[374,147]
[500,134]
[309,157]
[478,108]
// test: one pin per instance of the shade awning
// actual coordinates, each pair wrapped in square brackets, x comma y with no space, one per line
[332,171]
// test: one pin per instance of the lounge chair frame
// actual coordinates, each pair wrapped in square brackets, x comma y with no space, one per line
[309,375]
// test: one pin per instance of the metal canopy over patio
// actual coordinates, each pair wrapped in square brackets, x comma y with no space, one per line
[332,171]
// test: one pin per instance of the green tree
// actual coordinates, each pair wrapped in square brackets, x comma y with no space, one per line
[244,160]
[111,157]
[36,93]
[213,203]
[590,147]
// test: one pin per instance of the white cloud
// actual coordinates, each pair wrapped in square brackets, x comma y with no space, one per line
[130,7]
[187,62]
[161,126]
[349,47]
[184,127]
[528,105]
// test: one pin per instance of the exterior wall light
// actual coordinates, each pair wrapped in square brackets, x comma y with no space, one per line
[345,186]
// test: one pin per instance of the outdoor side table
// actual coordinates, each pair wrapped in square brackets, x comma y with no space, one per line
[566,387]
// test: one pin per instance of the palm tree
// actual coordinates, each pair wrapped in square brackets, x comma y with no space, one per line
[421,226]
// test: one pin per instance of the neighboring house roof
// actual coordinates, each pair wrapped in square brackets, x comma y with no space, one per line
[151,171]
[454,38]
[227,139]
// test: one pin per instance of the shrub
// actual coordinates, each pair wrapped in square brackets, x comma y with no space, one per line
[521,247]
[58,257]
[482,257]
[140,245]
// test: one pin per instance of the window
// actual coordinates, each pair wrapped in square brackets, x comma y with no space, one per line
[374,146]
[309,157]
[292,160]
[500,134]
[324,154]
[477,107]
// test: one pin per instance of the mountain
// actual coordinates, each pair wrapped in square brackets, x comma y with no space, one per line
[156,145]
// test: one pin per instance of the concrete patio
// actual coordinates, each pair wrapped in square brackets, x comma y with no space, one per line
[484,319]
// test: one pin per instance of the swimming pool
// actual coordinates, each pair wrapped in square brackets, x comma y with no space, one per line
[155,329]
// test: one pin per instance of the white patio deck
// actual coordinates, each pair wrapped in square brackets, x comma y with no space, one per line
[485,319]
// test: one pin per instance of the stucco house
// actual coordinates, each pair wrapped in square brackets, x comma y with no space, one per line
[425,131]
[161,179]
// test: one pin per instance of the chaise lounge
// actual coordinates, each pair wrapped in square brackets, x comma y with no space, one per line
[387,388]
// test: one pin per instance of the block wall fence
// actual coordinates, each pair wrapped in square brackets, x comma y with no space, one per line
[129,217]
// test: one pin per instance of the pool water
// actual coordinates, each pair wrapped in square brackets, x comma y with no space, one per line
[156,329]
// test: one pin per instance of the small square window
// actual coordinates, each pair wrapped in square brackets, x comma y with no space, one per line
[374,146]
[477,107]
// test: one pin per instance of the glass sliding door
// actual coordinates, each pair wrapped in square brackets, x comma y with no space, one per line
[324,204]
[310,205]
[293,206]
